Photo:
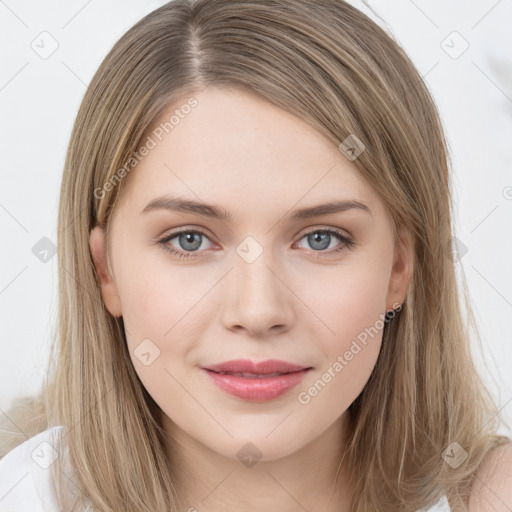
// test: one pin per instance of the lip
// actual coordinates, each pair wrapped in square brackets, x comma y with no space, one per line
[248,366]
[257,389]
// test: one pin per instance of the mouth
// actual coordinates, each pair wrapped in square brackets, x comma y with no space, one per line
[256,383]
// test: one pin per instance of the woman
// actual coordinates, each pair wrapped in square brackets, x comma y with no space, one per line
[258,302]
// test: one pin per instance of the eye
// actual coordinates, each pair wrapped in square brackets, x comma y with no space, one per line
[189,240]
[320,239]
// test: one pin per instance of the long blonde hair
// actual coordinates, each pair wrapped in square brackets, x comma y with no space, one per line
[330,65]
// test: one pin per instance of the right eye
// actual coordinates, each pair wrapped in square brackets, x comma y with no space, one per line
[190,241]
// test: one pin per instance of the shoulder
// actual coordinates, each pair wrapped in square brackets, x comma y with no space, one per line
[25,474]
[492,486]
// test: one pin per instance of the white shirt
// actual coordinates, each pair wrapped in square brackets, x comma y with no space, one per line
[25,475]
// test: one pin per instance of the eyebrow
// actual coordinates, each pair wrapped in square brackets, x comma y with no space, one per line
[181,205]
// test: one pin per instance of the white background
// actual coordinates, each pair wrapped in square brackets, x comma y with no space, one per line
[39,99]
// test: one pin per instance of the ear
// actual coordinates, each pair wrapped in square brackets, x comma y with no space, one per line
[107,285]
[401,272]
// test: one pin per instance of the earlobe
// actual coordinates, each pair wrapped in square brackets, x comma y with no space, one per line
[107,284]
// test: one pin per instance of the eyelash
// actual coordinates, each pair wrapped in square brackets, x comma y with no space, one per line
[347,242]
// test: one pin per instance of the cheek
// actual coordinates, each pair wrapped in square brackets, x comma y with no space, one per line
[350,301]
[158,335]
[352,309]
[164,312]
[155,297]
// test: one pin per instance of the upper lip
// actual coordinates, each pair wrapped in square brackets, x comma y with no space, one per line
[261,368]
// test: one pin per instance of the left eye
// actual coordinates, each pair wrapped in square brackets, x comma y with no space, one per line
[321,238]
[191,241]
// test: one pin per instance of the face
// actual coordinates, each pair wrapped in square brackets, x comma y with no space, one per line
[258,283]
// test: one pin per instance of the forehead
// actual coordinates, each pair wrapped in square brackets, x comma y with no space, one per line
[233,147]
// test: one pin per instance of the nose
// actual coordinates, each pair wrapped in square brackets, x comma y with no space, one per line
[259,300]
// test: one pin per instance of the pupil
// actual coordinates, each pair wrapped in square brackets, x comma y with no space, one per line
[189,239]
[317,237]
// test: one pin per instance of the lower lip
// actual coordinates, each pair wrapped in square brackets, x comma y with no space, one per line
[257,390]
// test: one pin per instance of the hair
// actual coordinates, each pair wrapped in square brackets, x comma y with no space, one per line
[330,65]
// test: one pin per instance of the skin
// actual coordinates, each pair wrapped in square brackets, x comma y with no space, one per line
[492,487]
[295,302]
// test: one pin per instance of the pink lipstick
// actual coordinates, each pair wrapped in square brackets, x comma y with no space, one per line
[256,382]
